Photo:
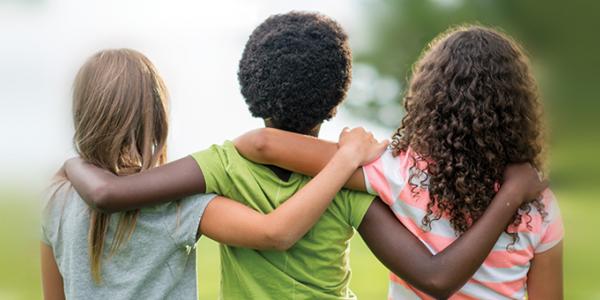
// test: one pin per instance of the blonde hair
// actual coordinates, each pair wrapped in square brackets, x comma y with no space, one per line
[120,116]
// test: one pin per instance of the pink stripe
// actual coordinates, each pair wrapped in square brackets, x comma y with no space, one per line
[548,198]
[505,259]
[419,201]
[378,181]
[513,262]
[554,232]
[436,241]
[533,226]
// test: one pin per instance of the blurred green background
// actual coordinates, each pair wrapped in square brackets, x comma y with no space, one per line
[20,278]
[562,39]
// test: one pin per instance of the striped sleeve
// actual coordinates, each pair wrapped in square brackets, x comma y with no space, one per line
[552,228]
[384,178]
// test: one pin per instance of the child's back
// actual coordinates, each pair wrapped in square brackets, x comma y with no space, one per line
[504,272]
[317,267]
[157,262]
[120,116]
[472,108]
[294,72]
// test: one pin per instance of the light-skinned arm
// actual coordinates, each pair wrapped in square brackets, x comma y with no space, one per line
[292,151]
[52,282]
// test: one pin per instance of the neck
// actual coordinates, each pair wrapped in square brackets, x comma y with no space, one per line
[313,132]
[282,173]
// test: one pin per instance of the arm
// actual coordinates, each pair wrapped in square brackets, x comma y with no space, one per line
[295,152]
[545,277]
[52,282]
[443,274]
[284,226]
[108,192]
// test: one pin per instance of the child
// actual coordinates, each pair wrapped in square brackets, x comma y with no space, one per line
[471,109]
[294,72]
[121,124]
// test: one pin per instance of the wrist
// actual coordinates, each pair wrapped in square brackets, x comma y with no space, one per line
[514,192]
[347,157]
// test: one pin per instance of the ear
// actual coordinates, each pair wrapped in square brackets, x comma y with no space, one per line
[268,122]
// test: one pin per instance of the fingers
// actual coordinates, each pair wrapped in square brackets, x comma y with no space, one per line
[360,135]
[385,143]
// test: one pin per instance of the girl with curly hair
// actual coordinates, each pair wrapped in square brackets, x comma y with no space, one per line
[472,109]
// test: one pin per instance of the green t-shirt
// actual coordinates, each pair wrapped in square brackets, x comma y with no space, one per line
[317,267]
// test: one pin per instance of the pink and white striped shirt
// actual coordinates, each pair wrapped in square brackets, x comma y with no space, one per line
[503,274]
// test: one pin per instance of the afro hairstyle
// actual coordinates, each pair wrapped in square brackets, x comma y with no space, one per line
[295,70]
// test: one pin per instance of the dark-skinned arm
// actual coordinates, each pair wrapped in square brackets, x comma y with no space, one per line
[105,191]
[442,274]
[545,277]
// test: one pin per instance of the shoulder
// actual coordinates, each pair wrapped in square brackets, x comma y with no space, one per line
[550,225]
[223,156]
[389,174]
[58,196]
[184,217]
[62,203]
[196,204]
[549,211]
[224,151]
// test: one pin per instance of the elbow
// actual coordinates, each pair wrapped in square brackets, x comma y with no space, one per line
[439,287]
[279,240]
[99,198]
[255,145]
[261,142]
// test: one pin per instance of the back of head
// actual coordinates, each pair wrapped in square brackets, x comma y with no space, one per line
[295,70]
[120,116]
[471,109]
[120,112]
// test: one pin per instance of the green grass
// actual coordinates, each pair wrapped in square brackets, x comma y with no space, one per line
[19,263]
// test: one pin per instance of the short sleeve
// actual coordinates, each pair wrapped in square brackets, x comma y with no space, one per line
[55,201]
[47,224]
[356,206]
[44,235]
[186,220]
[212,162]
[384,176]
[552,231]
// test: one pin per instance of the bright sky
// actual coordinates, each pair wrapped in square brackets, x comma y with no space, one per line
[195,45]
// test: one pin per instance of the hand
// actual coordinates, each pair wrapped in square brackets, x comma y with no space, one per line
[360,145]
[524,180]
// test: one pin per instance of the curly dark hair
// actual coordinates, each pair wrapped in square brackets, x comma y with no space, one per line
[295,70]
[472,108]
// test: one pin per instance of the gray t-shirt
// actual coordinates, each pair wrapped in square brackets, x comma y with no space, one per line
[158,262]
